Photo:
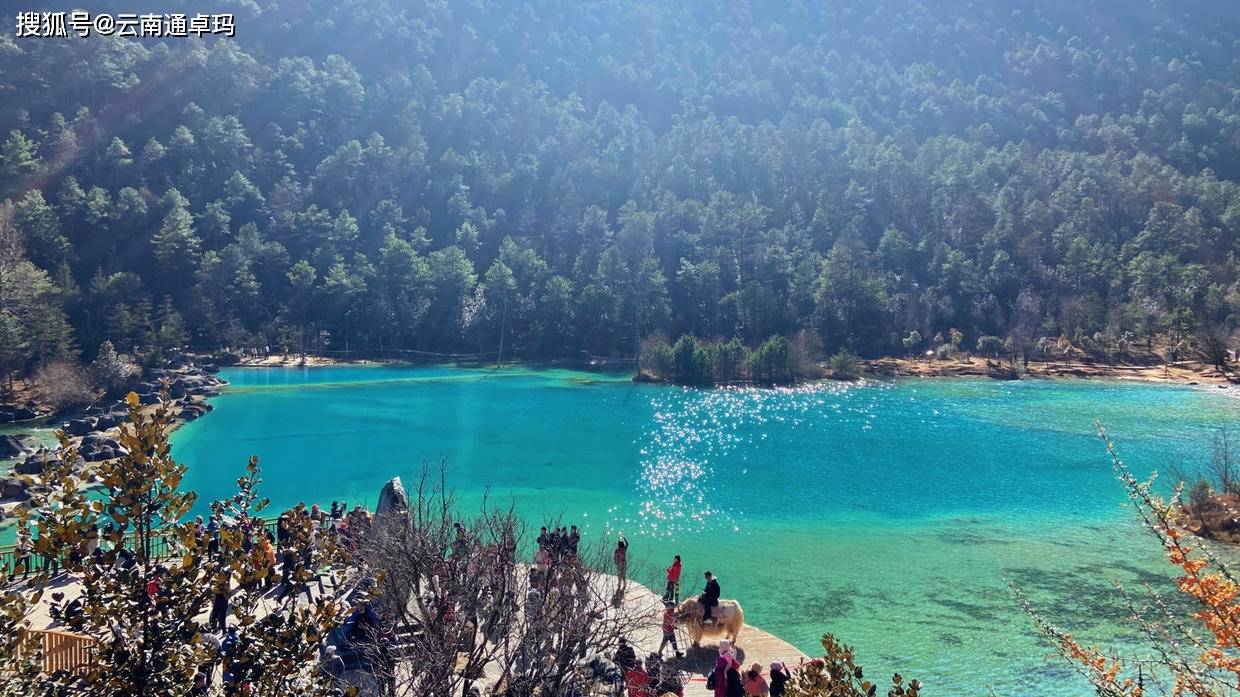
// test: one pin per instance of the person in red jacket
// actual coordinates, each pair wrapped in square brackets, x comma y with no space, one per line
[669,630]
[672,593]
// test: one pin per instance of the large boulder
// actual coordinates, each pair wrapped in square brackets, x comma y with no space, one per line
[111,419]
[97,447]
[226,358]
[80,427]
[393,501]
[15,446]
[193,410]
[34,462]
[204,391]
[198,385]
[100,408]
[13,489]
[16,412]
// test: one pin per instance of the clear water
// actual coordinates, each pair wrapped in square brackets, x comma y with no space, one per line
[884,513]
[43,431]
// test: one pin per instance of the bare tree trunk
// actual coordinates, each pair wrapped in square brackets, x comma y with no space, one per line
[503,319]
[475,607]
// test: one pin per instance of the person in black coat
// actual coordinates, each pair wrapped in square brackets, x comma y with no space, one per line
[626,657]
[709,597]
[779,679]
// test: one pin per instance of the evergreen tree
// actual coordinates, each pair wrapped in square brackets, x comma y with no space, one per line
[176,245]
[19,159]
[170,329]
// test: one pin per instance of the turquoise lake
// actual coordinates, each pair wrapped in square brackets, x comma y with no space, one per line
[883,512]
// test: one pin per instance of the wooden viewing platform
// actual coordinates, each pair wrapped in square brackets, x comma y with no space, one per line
[67,651]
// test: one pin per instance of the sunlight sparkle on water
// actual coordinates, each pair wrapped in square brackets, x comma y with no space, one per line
[692,430]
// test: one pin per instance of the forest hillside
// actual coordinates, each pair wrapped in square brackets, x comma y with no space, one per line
[373,175]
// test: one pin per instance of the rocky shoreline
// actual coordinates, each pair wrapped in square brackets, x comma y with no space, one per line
[93,430]
[1180,372]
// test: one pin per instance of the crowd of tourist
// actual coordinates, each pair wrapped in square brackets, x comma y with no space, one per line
[287,552]
[650,677]
[654,676]
[559,546]
[284,554]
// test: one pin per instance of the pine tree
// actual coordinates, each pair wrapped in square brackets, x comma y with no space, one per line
[171,331]
[41,228]
[19,159]
[176,245]
[14,350]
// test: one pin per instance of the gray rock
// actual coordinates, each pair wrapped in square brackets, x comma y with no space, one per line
[148,398]
[393,500]
[80,427]
[97,447]
[226,359]
[12,488]
[193,410]
[14,446]
[34,462]
[203,391]
[16,412]
[111,419]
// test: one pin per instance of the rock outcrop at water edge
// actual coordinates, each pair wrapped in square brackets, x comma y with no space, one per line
[36,461]
[15,446]
[393,501]
[97,447]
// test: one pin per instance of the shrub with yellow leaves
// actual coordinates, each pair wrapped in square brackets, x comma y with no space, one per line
[147,578]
